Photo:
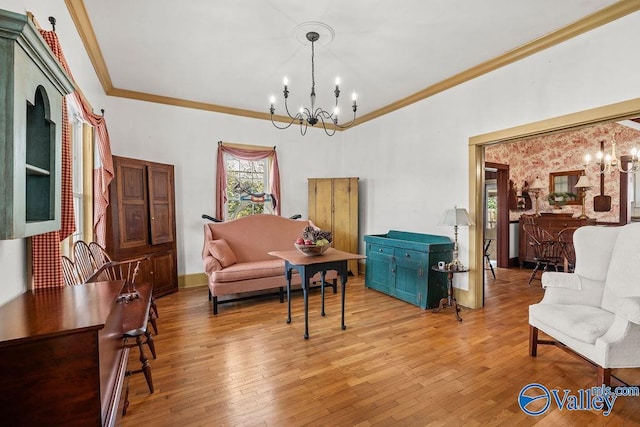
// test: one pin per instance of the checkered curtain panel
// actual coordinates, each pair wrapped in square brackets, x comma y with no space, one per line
[45,248]
[103,172]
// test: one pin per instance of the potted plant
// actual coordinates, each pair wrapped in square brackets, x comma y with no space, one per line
[559,199]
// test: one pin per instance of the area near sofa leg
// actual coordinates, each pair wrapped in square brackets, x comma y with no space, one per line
[214,301]
[604,376]
[533,341]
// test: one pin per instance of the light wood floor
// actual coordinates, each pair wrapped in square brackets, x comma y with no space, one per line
[394,365]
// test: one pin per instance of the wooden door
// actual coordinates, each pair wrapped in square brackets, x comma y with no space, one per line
[133,210]
[321,203]
[163,272]
[161,203]
[345,218]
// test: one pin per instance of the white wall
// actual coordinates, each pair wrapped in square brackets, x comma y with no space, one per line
[412,163]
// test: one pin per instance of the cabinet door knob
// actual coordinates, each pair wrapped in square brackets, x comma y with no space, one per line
[380,250]
[407,255]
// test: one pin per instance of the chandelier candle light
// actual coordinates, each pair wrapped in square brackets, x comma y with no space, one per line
[311,116]
[609,162]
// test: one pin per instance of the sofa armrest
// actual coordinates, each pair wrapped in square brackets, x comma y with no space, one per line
[629,309]
[590,293]
[211,264]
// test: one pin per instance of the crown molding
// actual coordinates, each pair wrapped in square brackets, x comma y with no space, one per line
[604,16]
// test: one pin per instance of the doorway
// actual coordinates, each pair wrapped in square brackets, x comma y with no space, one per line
[496,207]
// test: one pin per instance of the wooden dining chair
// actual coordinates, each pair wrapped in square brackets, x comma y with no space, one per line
[565,237]
[547,251]
[99,254]
[69,272]
[83,260]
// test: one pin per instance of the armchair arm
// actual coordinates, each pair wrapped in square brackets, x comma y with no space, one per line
[629,309]
[551,279]
[118,270]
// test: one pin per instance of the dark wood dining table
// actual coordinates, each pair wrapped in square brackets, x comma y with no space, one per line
[308,266]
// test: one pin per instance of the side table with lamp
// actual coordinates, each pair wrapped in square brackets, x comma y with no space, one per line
[453,217]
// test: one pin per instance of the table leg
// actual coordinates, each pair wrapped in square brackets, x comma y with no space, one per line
[305,286]
[450,300]
[343,280]
[322,275]
[288,272]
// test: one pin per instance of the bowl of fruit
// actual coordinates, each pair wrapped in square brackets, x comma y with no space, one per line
[313,241]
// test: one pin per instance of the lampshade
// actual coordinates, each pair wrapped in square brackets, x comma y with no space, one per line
[537,184]
[583,182]
[456,216]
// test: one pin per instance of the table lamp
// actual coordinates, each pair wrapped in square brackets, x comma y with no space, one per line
[536,186]
[583,185]
[455,217]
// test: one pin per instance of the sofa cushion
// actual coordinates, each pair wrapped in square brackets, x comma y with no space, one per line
[221,251]
[250,270]
[581,322]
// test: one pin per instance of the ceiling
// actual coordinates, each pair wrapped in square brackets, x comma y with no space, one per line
[231,56]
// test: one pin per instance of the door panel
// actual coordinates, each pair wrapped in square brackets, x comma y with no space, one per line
[133,212]
[161,204]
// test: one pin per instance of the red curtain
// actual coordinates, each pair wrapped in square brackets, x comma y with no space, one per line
[245,154]
[45,248]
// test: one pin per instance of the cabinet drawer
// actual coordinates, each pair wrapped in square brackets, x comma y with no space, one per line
[408,254]
[378,249]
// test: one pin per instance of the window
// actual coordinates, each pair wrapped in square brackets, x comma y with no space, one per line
[82,186]
[76,150]
[246,184]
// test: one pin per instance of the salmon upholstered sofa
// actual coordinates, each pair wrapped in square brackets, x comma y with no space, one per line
[236,260]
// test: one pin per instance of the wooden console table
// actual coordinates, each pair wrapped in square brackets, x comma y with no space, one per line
[308,266]
[63,361]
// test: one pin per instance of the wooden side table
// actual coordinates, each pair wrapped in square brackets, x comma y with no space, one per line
[450,300]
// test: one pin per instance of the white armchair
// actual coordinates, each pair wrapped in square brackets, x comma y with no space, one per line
[595,312]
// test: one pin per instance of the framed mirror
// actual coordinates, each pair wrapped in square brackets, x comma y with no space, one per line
[564,182]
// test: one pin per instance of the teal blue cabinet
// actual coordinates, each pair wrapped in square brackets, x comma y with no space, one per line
[399,264]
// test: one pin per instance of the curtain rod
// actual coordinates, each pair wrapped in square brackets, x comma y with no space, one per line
[246,146]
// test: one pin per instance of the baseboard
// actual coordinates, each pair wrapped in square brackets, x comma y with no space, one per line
[192,280]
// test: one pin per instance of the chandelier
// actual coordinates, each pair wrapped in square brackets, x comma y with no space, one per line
[314,115]
[610,162]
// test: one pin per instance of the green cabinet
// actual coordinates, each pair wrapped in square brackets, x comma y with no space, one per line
[32,87]
[399,264]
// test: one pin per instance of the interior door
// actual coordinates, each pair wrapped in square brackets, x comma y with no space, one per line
[132,200]
[501,242]
[161,204]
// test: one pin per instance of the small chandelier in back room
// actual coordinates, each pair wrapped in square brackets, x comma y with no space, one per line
[314,115]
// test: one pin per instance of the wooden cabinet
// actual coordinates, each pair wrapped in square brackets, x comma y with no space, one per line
[553,223]
[63,357]
[333,206]
[399,264]
[141,220]
[32,86]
